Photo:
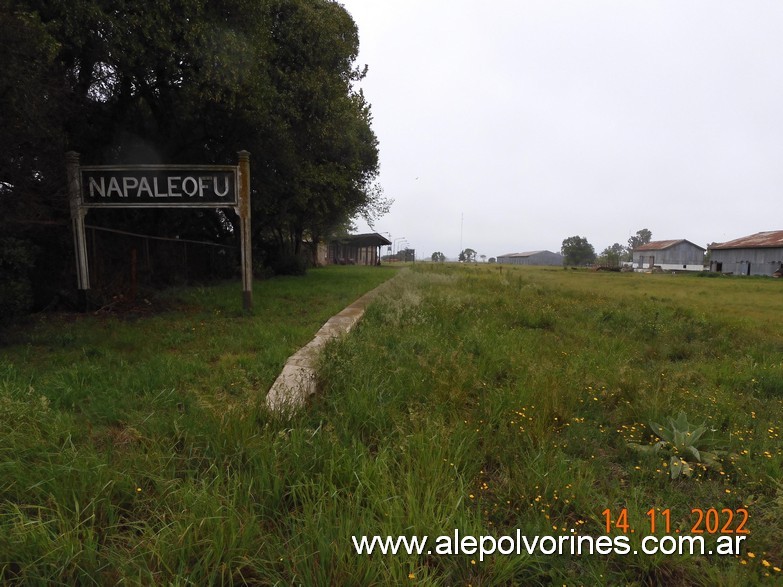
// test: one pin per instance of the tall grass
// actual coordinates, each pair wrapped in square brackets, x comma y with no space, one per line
[469,398]
[134,446]
[542,377]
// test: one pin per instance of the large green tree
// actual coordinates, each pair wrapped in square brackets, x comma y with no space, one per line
[188,81]
[577,251]
[33,105]
[327,160]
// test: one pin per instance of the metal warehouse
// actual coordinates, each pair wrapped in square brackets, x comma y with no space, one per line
[670,255]
[532,258]
[757,254]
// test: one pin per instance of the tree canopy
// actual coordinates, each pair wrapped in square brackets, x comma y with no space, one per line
[577,251]
[467,256]
[612,255]
[642,237]
[189,81]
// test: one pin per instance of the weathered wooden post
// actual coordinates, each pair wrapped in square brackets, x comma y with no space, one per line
[243,209]
[77,218]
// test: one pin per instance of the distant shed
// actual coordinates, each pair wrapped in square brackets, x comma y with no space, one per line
[757,254]
[670,255]
[532,258]
[355,249]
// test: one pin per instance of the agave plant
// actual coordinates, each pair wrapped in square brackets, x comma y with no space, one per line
[684,443]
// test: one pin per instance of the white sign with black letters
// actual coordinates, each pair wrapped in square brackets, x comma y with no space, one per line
[160,186]
[152,186]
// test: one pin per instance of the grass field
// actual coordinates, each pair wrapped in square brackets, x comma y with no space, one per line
[479,399]
[124,438]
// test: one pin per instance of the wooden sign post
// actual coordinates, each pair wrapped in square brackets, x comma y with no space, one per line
[160,186]
[243,210]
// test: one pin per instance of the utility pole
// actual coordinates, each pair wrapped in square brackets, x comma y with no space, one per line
[461,225]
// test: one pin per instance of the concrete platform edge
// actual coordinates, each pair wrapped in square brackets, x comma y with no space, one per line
[297,381]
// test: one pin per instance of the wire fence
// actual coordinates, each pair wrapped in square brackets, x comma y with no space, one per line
[122,262]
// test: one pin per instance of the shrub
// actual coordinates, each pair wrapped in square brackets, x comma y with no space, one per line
[17,258]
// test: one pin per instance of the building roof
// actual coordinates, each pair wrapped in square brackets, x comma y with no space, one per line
[760,240]
[528,254]
[369,239]
[661,245]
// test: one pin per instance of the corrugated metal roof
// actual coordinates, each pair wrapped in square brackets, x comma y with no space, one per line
[760,240]
[657,245]
[660,245]
[528,254]
[369,239]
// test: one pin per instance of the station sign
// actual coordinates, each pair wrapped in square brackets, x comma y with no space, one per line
[159,186]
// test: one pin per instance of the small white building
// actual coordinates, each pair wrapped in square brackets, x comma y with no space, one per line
[532,258]
[671,255]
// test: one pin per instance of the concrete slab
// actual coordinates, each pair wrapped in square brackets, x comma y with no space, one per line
[297,381]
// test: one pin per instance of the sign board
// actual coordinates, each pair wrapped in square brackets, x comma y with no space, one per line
[160,186]
[155,186]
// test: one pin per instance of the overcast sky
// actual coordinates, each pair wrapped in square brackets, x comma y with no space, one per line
[510,125]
